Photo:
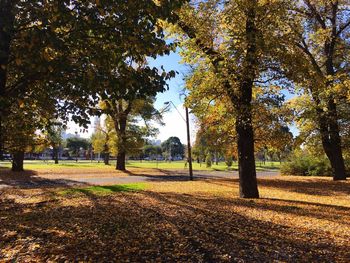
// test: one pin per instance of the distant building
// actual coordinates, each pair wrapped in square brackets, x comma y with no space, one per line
[96,124]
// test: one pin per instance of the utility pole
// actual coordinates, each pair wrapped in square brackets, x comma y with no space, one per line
[189,151]
[189,145]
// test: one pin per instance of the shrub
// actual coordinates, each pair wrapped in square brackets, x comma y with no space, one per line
[306,165]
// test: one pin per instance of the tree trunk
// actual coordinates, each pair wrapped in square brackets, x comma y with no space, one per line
[248,187]
[106,158]
[1,139]
[122,143]
[55,154]
[330,131]
[331,140]
[6,34]
[17,162]
[121,161]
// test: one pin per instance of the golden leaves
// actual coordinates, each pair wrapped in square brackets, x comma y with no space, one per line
[299,220]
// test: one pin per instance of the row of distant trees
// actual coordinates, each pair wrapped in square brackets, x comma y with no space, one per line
[75,147]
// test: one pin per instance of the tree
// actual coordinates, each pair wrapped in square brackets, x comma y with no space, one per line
[117,66]
[76,144]
[173,147]
[235,40]
[152,151]
[39,61]
[102,139]
[54,137]
[318,45]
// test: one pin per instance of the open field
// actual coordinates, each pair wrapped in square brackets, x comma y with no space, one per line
[33,165]
[296,220]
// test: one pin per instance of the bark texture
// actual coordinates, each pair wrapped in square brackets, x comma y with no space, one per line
[17,162]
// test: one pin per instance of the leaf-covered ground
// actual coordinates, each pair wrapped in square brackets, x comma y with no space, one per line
[296,220]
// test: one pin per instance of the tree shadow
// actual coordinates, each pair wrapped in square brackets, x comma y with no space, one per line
[175,175]
[148,226]
[30,179]
[321,187]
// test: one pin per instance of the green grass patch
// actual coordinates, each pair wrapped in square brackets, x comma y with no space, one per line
[104,190]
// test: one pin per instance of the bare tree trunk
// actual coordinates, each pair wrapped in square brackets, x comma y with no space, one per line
[121,161]
[122,143]
[17,162]
[331,141]
[248,187]
[6,34]
[55,154]
[106,158]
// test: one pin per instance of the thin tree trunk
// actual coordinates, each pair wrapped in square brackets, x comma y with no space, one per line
[17,162]
[1,139]
[106,158]
[55,154]
[122,143]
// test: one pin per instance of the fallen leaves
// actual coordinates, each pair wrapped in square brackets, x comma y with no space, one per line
[297,220]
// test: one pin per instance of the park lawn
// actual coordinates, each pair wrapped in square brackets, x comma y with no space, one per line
[40,164]
[296,220]
[176,165]
[196,166]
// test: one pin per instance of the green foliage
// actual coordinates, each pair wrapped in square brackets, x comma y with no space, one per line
[304,164]
[151,150]
[173,147]
[75,144]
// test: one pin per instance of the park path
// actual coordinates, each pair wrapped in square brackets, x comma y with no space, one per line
[153,175]
[170,175]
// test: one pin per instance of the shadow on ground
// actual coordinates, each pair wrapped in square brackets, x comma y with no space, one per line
[149,226]
[30,179]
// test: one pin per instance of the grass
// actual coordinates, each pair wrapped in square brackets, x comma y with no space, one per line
[34,165]
[297,219]
[103,190]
